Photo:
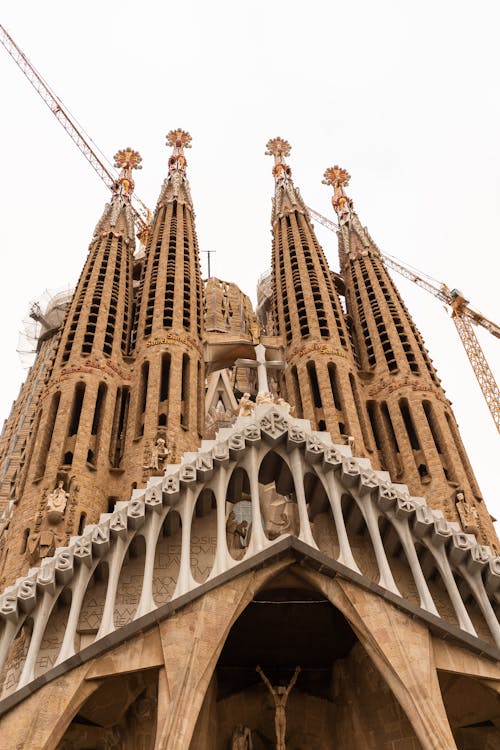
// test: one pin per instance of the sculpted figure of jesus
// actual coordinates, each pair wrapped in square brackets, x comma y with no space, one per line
[280,697]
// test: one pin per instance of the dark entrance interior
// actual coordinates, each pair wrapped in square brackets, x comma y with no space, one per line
[280,629]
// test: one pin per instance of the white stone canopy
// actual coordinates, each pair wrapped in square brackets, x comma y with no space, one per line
[467,570]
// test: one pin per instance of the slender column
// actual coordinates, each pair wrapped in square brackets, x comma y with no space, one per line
[335,497]
[258,540]
[151,533]
[371,515]
[186,581]
[107,622]
[223,559]
[439,555]
[406,539]
[40,623]
[79,589]
[10,631]
[477,587]
[298,469]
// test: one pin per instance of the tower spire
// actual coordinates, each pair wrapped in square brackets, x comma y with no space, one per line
[117,215]
[176,186]
[126,160]
[307,313]
[339,178]
[413,427]
[287,197]
[167,333]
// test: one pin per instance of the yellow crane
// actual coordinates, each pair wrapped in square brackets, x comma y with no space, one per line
[463,317]
[462,314]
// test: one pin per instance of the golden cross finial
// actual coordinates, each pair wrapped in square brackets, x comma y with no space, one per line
[336,176]
[179,140]
[339,179]
[126,160]
[279,148]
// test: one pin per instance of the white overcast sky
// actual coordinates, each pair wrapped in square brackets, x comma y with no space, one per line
[403,95]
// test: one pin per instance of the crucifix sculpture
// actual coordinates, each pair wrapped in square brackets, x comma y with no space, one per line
[262,365]
[280,697]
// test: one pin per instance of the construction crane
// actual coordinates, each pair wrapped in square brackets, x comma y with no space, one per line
[140,211]
[463,317]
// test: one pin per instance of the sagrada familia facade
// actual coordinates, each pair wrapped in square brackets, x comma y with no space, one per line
[228,529]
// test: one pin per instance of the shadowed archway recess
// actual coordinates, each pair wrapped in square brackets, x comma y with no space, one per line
[280,629]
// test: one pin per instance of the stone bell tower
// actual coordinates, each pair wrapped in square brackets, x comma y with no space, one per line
[307,314]
[67,477]
[167,399]
[415,434]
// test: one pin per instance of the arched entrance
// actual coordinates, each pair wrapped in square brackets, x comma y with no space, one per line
[338,700]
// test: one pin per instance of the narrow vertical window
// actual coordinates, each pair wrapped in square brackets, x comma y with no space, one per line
[46,437]
[360,412]
[313,381]
[97,424]
[24,541]
[76,411]
[374,424]
[117,444]
[389,426]
[185,391]
[201,399]
[410,427]
[142,399]
[332,372]
[296,392]
[164,390]
[441,448]
[463,455]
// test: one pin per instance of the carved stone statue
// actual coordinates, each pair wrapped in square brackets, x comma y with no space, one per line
[236,533]
[280,401]
[255,332]
[56,503]
[42,544]
[349,440]
[468,514]
[159,454]
[264,398]
[280,697]
[242,738]
[246,406]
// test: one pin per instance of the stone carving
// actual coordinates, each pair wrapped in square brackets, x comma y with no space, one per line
[349,441]
[468,514]
[246,406]
[265,397]
[279,401]
[56,503]
[236,533]
[113,739]
[159,454]
[156,457]
[242,738]
[43,544]
[255,332]
[282,519]
[280,697]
